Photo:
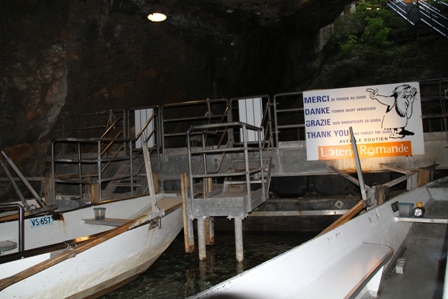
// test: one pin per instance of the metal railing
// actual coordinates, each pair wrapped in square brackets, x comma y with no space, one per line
[177,118]
[289,117]
[207,156]
[252,110]
[85,168]
[420,11]
[21,227]
[433,18]
[281,121]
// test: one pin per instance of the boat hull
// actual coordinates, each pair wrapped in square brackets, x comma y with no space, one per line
[291,274]
[98,269]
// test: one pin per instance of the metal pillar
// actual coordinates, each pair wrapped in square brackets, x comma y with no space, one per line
[239,239]
[201,239]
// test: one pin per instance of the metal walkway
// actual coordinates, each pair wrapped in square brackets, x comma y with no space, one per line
[241,169]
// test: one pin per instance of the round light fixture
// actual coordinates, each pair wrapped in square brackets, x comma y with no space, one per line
[156,14]
[157,17]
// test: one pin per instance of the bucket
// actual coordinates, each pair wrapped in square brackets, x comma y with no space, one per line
[405,209]
[100,213]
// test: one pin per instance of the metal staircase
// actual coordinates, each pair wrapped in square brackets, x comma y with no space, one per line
[97,169]
[123,184]
[240,167]
[243,173]
[433,16]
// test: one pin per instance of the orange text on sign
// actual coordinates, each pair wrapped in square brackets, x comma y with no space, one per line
[369,150]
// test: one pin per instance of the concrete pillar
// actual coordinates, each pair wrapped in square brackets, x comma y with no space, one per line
[201,239]
[239,239]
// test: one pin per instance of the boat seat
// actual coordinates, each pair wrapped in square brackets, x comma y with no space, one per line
[7,245]
[347,276]
[107,221]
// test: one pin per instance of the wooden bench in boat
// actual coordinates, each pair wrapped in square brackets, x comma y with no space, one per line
[107,221]
[167,204]
[348,275]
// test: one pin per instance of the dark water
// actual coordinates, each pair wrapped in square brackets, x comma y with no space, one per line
[177,274]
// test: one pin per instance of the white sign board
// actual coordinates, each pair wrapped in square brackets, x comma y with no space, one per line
[386,121]
[141,117]
[250,112]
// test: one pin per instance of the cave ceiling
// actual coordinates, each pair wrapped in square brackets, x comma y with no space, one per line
[233,16]
[73,57]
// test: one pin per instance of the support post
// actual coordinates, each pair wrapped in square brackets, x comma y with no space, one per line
[209,224]
[209,231]
[426,174]
[239,239]
[188,225]
[358,166]
[47,188]
[95,192]
[152,189]
[201,239]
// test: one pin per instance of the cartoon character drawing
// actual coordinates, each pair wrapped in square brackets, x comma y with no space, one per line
[399,109]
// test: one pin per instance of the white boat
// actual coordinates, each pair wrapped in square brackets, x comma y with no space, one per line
[345,262]
[81,253]
[88,257]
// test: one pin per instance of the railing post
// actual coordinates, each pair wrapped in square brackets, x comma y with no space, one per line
[99,171]
[188,225]
[21,237]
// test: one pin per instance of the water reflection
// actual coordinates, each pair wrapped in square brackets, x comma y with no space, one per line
[177,274]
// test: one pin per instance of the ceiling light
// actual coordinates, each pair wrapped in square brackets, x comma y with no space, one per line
[156,13]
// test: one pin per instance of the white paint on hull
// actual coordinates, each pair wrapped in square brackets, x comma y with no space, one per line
[102,266]
[294,270]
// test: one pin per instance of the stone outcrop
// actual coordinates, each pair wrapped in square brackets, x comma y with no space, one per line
[62,57]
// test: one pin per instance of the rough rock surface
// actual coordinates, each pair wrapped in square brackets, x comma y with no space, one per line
[61,57]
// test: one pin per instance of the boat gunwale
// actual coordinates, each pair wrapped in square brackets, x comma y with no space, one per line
[73,243]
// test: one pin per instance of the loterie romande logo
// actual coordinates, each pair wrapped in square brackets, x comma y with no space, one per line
[371,150]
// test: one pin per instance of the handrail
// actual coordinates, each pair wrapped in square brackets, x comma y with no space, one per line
[203,129]
[145,126]
[20,210]
[201,111]
[110,143]
[433,18]
[83,163]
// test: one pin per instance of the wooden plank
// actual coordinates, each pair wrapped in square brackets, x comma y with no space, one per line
[395,168]
[152,189]
[426,174]
[188,229]
[169,204]
[349,215]
[107,221]
[95,192]
[399,180]
[48,186]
